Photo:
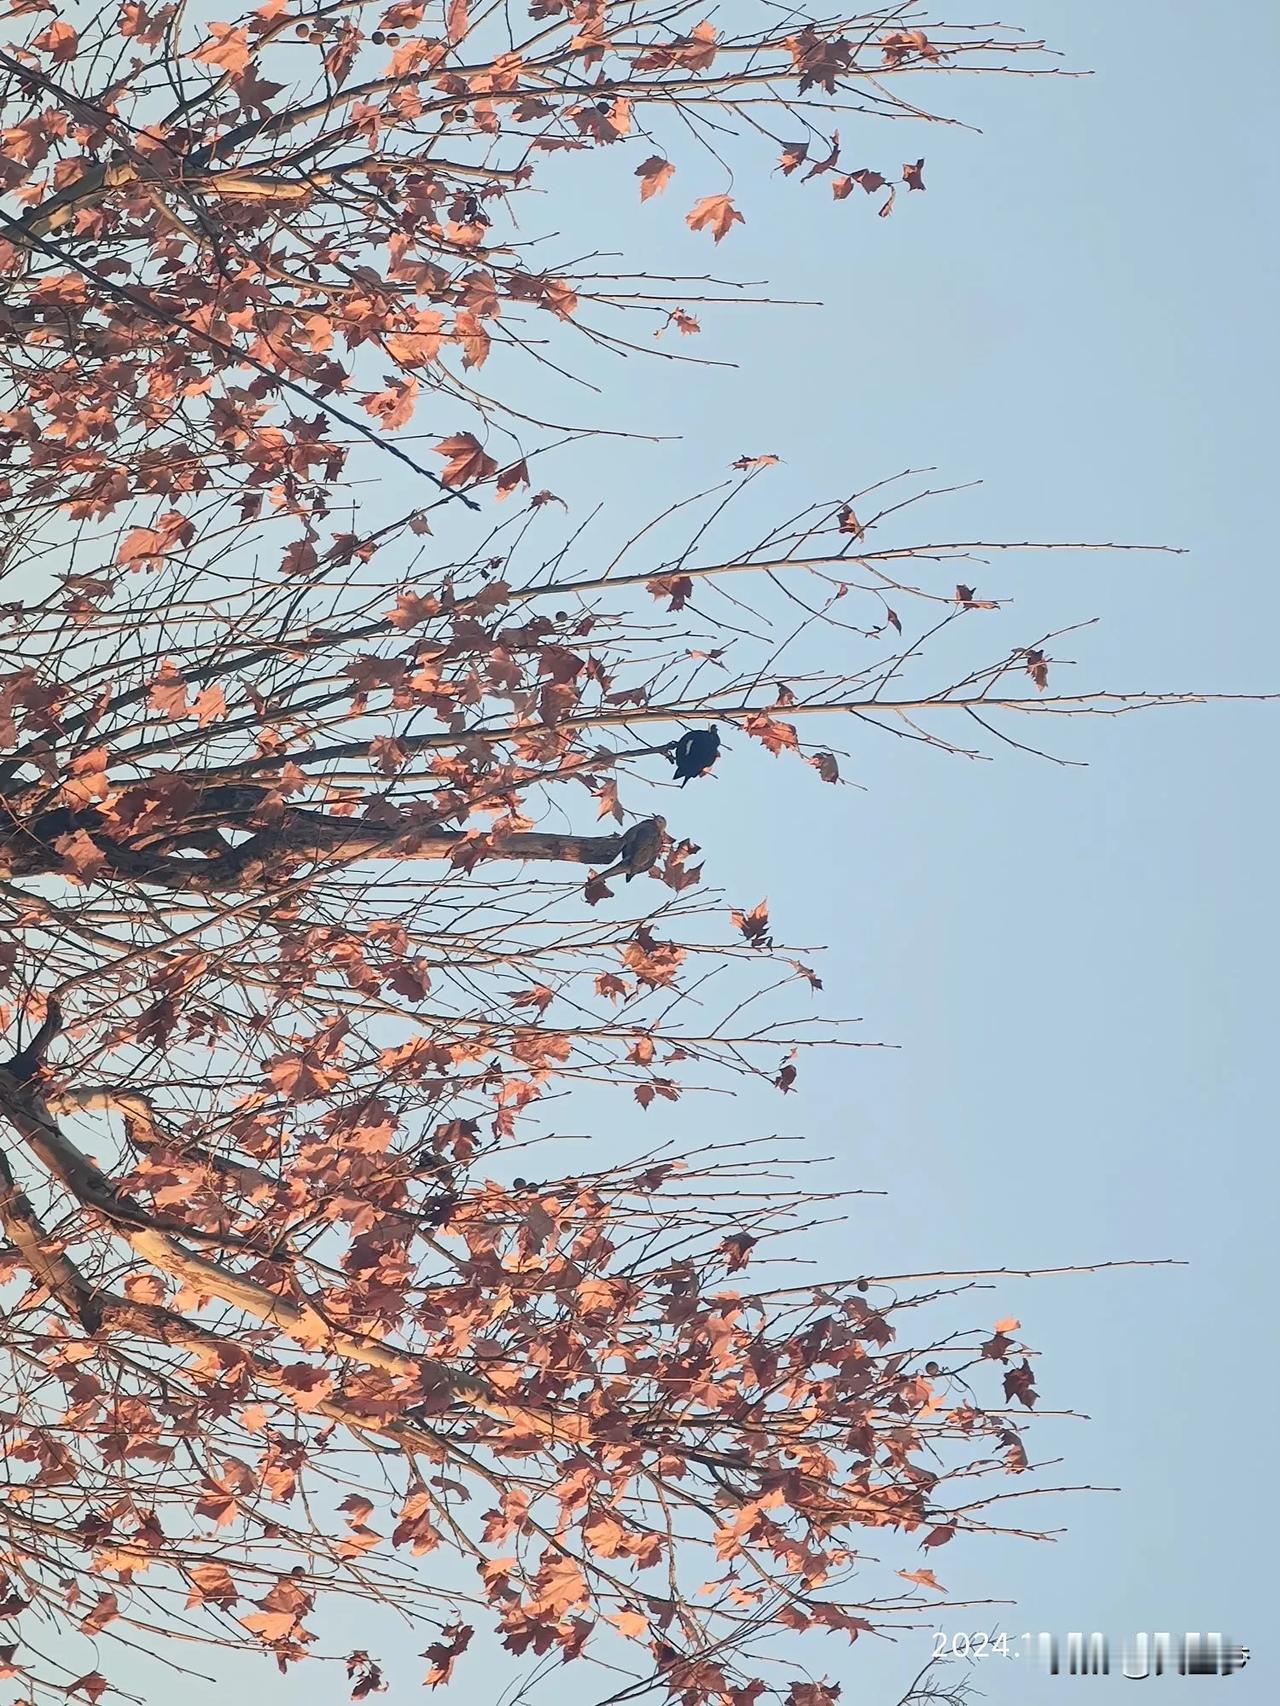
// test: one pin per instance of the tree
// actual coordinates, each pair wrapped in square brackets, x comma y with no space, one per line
[293,956]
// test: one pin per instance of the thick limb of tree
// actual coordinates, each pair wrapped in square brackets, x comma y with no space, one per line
[297,837]
[154,1240]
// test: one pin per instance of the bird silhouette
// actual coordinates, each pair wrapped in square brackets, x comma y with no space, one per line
[639,850]
[695,752]
[27,1062]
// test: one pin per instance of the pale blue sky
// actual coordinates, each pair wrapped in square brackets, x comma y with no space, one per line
[1077,964]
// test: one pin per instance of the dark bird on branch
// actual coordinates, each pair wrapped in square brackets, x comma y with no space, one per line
[695,752]
[28,1061]
[641,846]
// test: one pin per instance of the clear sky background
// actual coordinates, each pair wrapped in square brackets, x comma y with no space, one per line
[1078,965]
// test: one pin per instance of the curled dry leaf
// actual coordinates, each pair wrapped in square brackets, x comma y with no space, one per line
[776,736]
[654,174]
[227,48]
[676,589]
[465,461]
[901,47]
[714,213]
[61,43]
[923,1578]
[754,925]
[966,596]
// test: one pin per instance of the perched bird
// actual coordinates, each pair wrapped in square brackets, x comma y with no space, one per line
[28,1062]
[639,851]
[695,752]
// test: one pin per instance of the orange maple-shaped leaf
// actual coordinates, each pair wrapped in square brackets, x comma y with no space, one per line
[227,47]
[510,478]
[394,406]
[684,323]
[210,705]
[714,213]
[559,297]
[465,461]
[813,1694]
[281,1613]
[81,856]
[754,925]
[700,47]
[470,333]
[457,21]
[59,41]
[695,52]
[773,734]
[417,338]
[104,1609]
[359,1541]
[676,589]
[212,1584]
[630,1623]
[654,962]
[88,778]
[304,1079]
[139,545]
[445,1653]
[93,1685]
[560,1584]
[168,691]
[144,547]
[412,608]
